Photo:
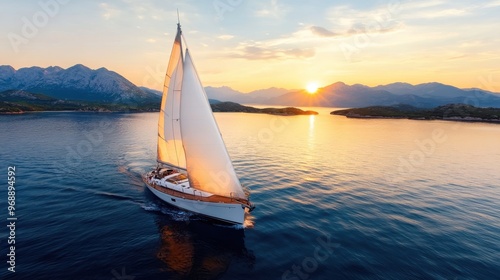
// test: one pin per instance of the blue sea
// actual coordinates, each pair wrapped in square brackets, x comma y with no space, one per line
[336,198]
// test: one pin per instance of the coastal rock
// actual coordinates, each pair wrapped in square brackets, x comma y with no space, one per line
[235,107]
[453,112]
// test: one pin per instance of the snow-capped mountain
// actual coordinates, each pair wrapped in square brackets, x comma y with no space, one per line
[75,83]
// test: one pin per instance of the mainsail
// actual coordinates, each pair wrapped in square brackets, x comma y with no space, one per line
[207,160]
[170,150]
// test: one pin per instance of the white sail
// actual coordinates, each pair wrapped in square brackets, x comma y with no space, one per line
[170,148]
[207,160]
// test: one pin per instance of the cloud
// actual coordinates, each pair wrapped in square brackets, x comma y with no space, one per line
[357,28]
[472,44]
[422,4]
[457,56]
[440,9]
[349,21]
[108,11]
[255,52]
[225,37]
[440,13]
[273,10]
[491,4]
[374,28]
[322,32]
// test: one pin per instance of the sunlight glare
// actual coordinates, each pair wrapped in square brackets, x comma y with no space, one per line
[312,88]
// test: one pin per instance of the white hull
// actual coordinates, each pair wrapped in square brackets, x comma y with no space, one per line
[228,212]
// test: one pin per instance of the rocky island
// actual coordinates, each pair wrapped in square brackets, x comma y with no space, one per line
[452,112]
[218,106]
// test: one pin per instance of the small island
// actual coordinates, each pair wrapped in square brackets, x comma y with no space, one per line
[218,106]
[451,112]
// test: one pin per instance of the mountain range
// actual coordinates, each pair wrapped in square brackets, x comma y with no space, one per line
[80,83]
[75,83]
[261,96]
[339,94]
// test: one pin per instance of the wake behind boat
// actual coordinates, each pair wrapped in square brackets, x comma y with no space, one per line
[194,170]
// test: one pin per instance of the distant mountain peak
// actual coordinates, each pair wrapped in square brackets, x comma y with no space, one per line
[221,88]
[360,86]
[339,83]
[398,84]
[103,69]
[334,86]
[52,69]
[7,68]
[79,67]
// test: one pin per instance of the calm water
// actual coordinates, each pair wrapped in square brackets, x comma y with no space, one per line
[336,198]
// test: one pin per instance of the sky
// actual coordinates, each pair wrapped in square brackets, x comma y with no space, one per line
[251,45]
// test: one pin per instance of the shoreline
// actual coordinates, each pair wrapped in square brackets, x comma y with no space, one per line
[450,112]
[424,119]
[288,111]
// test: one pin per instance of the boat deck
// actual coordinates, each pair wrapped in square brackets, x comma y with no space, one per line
[212,198]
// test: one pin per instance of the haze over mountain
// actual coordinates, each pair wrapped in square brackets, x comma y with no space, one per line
[256,97]
[341,95]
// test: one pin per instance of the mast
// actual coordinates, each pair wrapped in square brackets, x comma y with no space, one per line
[178,20]
[170,150]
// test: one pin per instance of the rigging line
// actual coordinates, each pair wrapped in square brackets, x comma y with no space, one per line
[185,41]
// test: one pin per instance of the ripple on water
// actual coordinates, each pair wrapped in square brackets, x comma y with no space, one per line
[330,178]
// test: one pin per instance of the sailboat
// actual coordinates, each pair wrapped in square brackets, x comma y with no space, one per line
[194,171]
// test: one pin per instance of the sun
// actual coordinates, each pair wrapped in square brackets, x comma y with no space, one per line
[312,88]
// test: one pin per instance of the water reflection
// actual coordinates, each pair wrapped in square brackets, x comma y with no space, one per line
[311,134]
[200,250]
[311,123]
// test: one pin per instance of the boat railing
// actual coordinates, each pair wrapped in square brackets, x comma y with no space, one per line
[194,193]
[197,193]
[245,202]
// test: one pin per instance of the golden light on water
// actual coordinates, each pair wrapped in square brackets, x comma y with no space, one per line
[312,87]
